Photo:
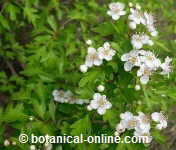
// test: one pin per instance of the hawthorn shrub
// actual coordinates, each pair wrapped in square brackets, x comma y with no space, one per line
[88,67]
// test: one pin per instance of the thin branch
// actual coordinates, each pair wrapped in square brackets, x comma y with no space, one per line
[11,68]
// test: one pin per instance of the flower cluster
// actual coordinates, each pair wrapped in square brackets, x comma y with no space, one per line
[141,124]
[95,57]
[147,62]
[137,17]
[67,97]
[100,103]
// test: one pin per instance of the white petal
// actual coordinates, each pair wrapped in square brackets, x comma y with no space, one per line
[101,110]
[55,93]
[88,62]
[128,66]
[109,13]
[126,116]
[83,68]
[97,96]
[140,72]
[137,45]
[106,45]
[91,50]
[156,116]
[108,58]
[150,42]
[154,33]
[125,57]
[159,126]
[121,13]
[164,123]
[115,17]
[89,108]
[108,105]
[94,104]
[132,25]
[98,62]
[144,79]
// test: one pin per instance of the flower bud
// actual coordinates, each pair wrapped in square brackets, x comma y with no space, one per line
[6,143]
[89,42]
[100,88]
[83,68]
[137,87]
[132,25]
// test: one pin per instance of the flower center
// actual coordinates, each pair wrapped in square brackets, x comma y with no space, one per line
[62,93]
[94,56]
[101,102]
[146,119]
[147,72]
[106,52]
[133,59]
[115,9]
[132,123]
[150,58]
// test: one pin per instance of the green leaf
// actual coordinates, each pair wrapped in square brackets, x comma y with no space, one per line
[52,22]
[4,22]
[81,126]
[104,29]
[52,110]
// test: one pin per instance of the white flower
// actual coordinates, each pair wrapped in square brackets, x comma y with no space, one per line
[100,88]
[59,96]
[121,127]
[116,10]
[149,22]
[137,87]
[128,120]
[144,73]
[160,119]
[150,60]
[136,16]
[6,143]
[83,68]
[143,123]
[92,58]
[149,19]
[100,103]
[166,67]
[106,52]
[132,59]
[67,97]
[89,42]
[138,40]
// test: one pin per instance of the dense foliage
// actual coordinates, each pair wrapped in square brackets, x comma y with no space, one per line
[43,44]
